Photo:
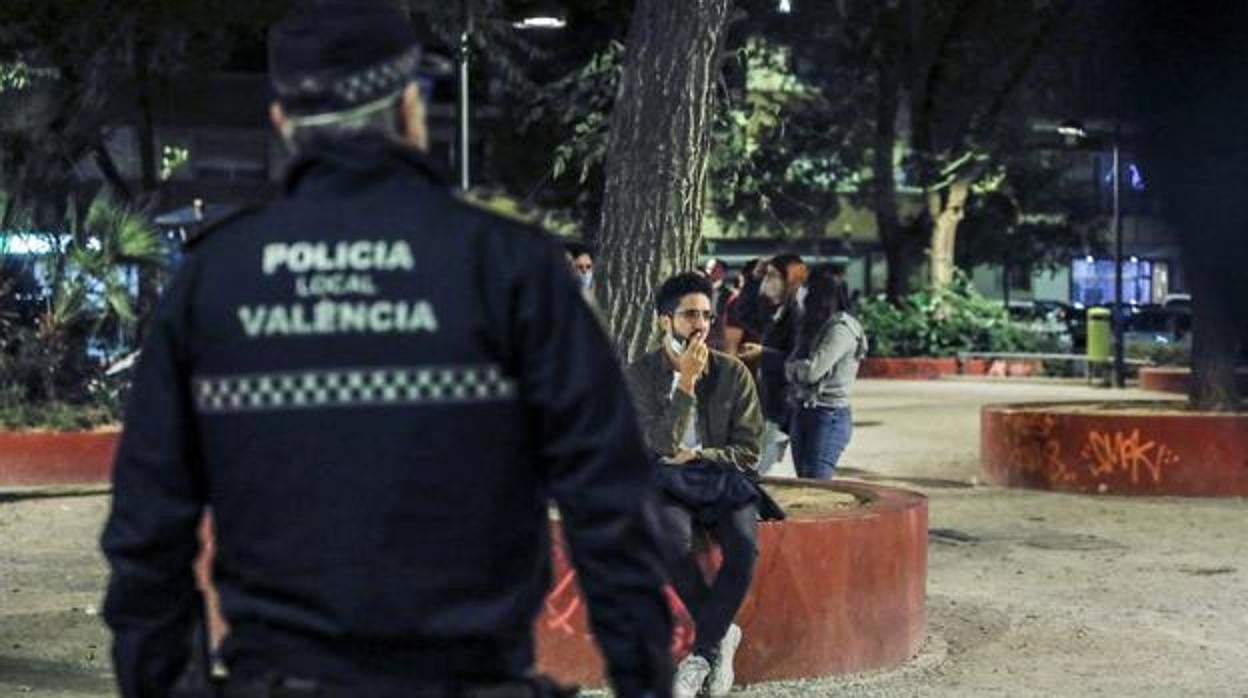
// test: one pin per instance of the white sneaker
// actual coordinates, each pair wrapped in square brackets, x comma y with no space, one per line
[690,676]
[722,676]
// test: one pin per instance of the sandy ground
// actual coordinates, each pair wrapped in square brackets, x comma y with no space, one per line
[1029,594]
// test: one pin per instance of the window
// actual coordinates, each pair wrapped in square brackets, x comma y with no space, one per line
[1092,281]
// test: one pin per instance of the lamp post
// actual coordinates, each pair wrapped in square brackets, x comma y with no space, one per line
[543,18]
[1074,132]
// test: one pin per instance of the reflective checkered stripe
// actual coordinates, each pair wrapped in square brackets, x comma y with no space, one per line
[351,387]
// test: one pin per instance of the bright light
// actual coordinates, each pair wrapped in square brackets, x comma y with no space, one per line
[26,244]
[1072,131]
[1089,259]
[542,22]
[786,6]
[1135,260]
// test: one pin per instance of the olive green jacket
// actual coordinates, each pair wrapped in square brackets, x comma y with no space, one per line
[730,422]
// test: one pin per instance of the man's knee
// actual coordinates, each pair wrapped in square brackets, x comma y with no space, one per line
[677,529]
[739,540]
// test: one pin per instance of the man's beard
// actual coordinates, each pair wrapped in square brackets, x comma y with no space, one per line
[683,340]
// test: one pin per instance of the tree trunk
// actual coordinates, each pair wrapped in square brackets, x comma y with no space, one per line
[657,155]
[1215,342]
[947,212]
[884,193]
[150,184]
[900,263]
[147,128]
[108,168]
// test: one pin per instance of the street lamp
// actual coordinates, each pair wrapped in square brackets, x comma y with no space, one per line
[1074,132]
[545,16]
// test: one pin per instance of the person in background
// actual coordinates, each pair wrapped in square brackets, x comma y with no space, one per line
[820,373]
[700,418]
[581,257]
[717,273]
[783,287]
[742,324]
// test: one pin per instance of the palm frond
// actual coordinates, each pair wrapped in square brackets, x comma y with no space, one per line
[117,299]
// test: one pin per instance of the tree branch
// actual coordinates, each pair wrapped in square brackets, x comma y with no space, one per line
[984,123]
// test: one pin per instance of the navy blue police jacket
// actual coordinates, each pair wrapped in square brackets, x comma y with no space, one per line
[377,389]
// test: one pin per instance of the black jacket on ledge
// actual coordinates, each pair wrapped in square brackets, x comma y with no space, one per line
[376,387]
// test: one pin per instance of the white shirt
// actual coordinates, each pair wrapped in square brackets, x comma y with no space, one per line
[690,440]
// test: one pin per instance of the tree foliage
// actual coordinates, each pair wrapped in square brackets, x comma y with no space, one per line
[942,322]
[56,355]
[64,64]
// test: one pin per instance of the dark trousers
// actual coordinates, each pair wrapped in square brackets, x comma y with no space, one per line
[712,606]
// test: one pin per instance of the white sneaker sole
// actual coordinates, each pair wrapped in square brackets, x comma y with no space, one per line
[727,655]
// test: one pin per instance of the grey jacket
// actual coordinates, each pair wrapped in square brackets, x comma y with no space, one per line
[825,378]
[730,423]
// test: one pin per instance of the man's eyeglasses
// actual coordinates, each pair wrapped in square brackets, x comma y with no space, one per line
[693,314]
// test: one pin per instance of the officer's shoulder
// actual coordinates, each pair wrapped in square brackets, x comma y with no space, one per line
[515,224]
[496,204]
[212,228]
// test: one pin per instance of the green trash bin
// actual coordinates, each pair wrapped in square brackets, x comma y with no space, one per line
[1100,334]
[1100,339]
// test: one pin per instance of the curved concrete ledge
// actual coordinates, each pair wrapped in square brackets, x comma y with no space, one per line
[1178,379]
[37,458]
[837,593]
[1143,449]
[907,368]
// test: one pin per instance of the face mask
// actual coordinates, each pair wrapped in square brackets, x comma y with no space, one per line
[676,344]
[587,280]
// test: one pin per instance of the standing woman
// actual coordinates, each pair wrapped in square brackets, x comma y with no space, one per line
[820,373]
[783,279]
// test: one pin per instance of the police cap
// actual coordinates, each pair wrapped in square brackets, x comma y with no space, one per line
[333,55]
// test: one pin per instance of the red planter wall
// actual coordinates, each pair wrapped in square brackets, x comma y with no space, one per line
[839,594]
[1177,379]
[913,368]
[34,458]
[1060,447]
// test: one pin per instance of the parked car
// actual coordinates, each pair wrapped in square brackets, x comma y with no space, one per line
[1149,327]
[1178,301]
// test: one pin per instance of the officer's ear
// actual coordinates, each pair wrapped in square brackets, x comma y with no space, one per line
[412,115]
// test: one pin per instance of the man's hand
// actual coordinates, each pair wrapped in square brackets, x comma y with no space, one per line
[692,362]
[682,457]
[750,352]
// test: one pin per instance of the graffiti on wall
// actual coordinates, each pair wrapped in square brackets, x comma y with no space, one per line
[1122,452]
[563,602]
[1033,445]
[1041,446]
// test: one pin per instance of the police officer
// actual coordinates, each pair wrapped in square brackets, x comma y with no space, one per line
[375,386]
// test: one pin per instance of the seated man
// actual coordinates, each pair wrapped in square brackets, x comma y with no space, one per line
[700,416]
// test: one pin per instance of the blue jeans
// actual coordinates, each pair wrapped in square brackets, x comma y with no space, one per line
[819,435]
